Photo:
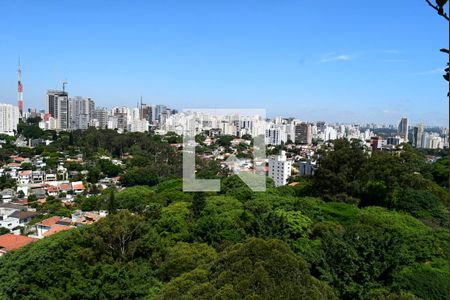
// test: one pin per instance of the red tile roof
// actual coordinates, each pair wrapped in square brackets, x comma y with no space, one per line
[10,242]
[64,186]
[17,158]
[50,221]
[52,188]
[13,165]
[77,186]
[25,172]
[57,228]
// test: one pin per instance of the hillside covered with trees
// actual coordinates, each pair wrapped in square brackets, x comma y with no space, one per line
[364,227]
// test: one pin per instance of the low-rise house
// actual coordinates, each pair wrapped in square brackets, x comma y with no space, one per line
[40,193]
[14,166]
[13,216]
[67,200]
[52,190]
[50,177]
[10,242]
[64,187]
[52,225]
[6,221]
[87,217]
[38,177]
[23,216]
[7,195]
[73,174]
[17,159]
[14,206]
[78,187]
[37,142]
[24,176]
[57,228]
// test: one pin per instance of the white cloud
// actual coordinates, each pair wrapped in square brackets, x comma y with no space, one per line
[432,72]
[341,57]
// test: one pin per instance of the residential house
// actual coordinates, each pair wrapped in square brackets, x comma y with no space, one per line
[50,177]
[24,176]
[7,195]
[38,176]
[24,216]
[87,217]
[78,187]
[6,221]
[10,242]
[52,225]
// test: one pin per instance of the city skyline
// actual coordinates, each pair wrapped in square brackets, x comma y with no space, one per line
[379,72]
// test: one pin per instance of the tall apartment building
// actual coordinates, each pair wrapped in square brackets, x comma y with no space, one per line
[147,112]
[101,115]
[276,135]
[63,119]
[118,119]
[418,135]
[81,112]
[159,111]
[58,108]
[273,136]
[280,168]
[9,118]
[403,129]
[303,133]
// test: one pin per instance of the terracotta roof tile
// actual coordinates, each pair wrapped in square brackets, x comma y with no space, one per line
[57,228]
[10,241]
[50,221]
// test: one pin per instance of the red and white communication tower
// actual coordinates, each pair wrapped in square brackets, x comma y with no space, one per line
[20,89]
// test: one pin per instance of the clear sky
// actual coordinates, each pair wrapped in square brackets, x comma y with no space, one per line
[354,61]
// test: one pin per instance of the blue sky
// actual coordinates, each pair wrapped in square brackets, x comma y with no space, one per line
[354,61]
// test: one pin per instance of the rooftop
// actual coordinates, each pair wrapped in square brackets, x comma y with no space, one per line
[9,242]
[50,221]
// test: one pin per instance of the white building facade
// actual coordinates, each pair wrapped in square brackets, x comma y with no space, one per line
[9,118]
[280,168]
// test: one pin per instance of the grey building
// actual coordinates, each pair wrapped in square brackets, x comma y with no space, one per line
[403,129]
[101,115]
[58,107]
[303,133]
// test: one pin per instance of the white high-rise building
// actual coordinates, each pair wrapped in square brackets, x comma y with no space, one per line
[81,111]
[137,125]
[329,134]
[280,168]
[9,118]
[101,118]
